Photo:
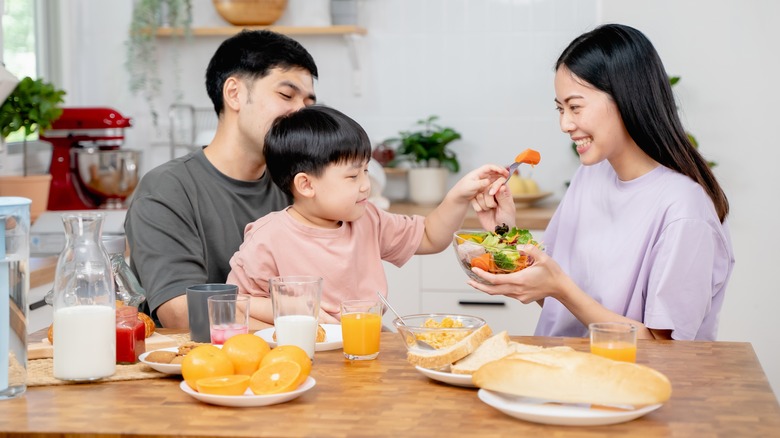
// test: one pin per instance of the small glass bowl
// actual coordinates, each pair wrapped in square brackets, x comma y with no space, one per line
[467,249]
[442,330]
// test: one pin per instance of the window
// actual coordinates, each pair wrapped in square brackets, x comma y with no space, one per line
[19,38]
[18,43]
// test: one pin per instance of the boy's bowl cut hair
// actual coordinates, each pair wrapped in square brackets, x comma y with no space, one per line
[309,140]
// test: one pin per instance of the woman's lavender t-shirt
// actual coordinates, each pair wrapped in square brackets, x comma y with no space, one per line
[651,249]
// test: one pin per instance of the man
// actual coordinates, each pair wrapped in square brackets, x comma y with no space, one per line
[188,215]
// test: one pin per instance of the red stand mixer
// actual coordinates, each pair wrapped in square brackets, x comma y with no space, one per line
[88,168]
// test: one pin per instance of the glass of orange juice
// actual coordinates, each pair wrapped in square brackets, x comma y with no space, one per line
[361,323]
[613,340]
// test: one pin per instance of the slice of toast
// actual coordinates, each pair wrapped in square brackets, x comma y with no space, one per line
[445,356]
[494,348]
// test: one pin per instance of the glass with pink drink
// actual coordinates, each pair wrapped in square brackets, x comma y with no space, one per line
[228,316]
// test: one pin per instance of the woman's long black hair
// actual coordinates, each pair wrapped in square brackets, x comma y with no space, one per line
[620,61]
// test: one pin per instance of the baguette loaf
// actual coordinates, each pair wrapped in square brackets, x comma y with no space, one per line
[574,377]
[445,356]
[494,348]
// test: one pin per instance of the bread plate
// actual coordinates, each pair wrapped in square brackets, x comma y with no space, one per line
[463,380]
[249,399]
[333,340]
[541,411]
[167,368]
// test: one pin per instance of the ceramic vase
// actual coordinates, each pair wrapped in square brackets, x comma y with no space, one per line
[427,185]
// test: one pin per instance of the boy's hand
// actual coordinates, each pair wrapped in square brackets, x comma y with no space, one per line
[327,318]
[495,206]
[480,180]
[448,216]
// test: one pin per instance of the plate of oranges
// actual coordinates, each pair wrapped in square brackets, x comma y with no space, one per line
[249,399]
[245,372]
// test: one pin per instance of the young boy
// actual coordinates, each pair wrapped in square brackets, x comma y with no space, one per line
[319,156]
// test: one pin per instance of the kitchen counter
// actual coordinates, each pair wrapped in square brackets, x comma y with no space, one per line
[719,389]
[42,270]
[532,218]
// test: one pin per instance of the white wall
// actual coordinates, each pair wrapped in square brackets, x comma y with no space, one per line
[485,67]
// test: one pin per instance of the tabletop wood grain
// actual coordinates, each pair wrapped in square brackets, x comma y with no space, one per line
[719,389]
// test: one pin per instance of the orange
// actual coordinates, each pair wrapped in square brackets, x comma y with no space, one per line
[205,361]
[223,385]
[246,351]
[280,376]
[292,353]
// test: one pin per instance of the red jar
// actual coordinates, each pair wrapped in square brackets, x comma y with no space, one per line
[130,335]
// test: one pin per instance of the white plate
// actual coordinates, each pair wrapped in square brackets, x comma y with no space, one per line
[536,411]
[333,338]
[249,399]
[463,380]
[167,368]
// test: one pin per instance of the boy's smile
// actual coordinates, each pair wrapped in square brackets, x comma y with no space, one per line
[340,195]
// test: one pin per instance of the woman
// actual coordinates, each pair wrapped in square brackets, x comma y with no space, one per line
[639,236]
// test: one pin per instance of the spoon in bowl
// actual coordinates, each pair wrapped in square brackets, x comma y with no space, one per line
[422,344]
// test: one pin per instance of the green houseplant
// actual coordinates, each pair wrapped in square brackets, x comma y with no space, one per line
[426,147]
[141,56]
[427,150]
[33,106]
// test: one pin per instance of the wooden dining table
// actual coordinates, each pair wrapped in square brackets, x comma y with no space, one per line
[719,389]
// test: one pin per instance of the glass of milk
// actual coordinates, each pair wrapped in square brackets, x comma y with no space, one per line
[296,305]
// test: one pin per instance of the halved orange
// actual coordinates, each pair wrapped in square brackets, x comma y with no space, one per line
[246,351]
[278,377]
[292,353]
[235,384]
[205,361]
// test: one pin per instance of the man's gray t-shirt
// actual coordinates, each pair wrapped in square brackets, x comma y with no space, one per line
[185,222]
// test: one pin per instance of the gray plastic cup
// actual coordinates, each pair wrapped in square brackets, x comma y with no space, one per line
[198,307]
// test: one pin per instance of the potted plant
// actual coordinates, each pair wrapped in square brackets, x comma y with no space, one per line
[141,56]
[33,106]
[427,151]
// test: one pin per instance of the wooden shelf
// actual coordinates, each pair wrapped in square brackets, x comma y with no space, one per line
[395,170]
[351,35]
[287,30]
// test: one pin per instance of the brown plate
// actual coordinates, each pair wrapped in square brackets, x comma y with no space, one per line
[529,200]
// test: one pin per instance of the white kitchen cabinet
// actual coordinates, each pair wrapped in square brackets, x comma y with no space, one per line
[501,313]
[403,286]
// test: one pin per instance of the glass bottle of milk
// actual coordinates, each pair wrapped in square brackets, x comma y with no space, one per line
[84,303]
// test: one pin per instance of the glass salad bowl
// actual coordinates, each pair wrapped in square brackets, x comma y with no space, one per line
[492,251]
